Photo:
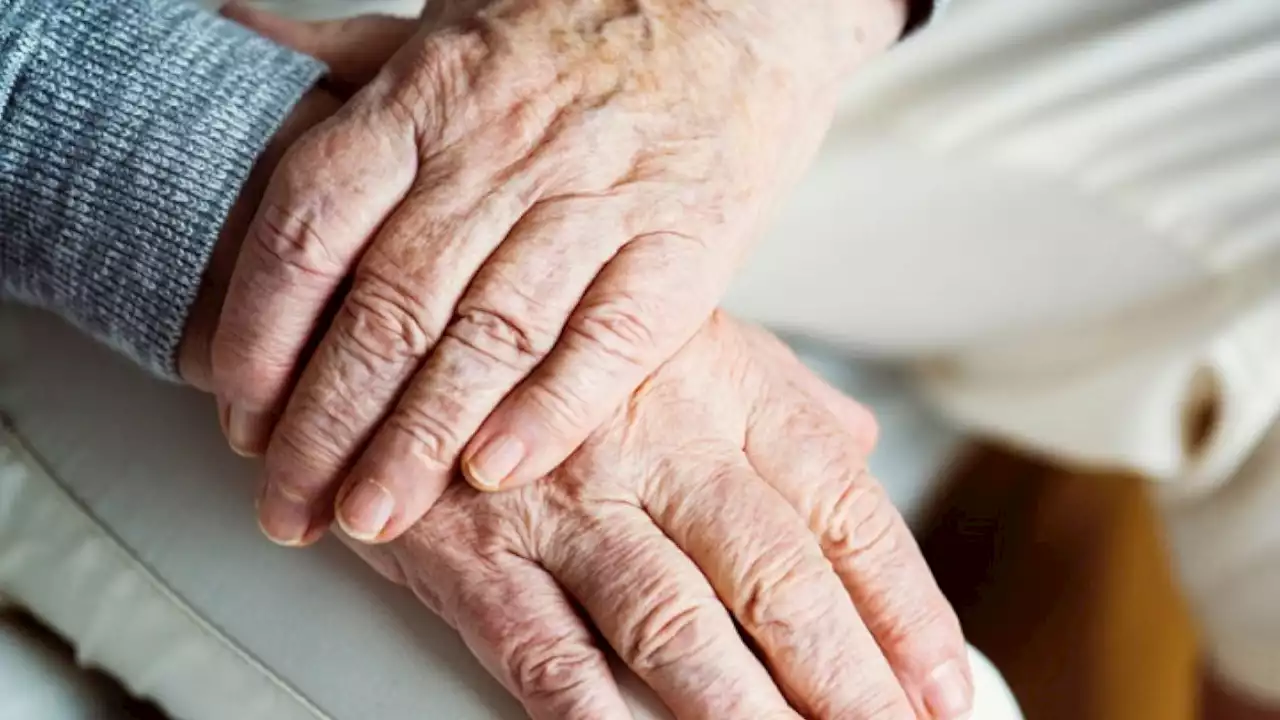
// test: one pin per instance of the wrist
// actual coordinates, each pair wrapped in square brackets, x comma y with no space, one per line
[193,353]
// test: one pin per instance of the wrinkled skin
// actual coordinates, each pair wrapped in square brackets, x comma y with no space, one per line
[535,203]
[732,486]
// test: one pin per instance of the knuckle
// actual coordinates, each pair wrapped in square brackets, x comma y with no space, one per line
[317,439]
[499,337]
[245,372]
[914,628]
[437,439]
[858,520]
[432,77]
[619,329]
[386,323]
[542,667]
[778,589]
[669,632]
[562,406]
[292,456]
[290,242]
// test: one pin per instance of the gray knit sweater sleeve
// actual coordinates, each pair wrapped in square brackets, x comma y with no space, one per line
[127,128]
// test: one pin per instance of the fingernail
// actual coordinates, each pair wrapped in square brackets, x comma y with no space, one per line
[243,431]
[495,462]
[949,696]
[366,510]
[283,518]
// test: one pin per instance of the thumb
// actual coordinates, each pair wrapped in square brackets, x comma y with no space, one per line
[355,49]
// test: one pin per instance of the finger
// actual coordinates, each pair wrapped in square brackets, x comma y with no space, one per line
[527,634]
[508,610]
[662,618]
[330,193]
[767,569]
[645,304]
[822,474]
[354,49]
[391,318]
[405,290]
[504,325]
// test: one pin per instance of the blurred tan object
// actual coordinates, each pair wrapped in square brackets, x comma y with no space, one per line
[1227,548]
[1063,580]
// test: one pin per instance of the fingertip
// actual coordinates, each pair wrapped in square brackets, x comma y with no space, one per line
[512,482]
[285,518]
[531,433]
[247,431]
[948,694]
[537,459]
[364,512]
[470,477]
[493,466]
[308,538]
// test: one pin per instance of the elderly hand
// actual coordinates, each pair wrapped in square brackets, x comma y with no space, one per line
[534,206]
[194,355]
[731,487]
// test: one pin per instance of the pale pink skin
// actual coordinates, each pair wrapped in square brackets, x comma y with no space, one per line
[731,485]
[536,202]
[704,475]
[599,147]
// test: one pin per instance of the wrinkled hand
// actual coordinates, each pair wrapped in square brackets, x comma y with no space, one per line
[194,354]
[732,486]
[733,478]
[535,205]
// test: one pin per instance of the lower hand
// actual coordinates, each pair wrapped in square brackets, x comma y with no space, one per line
[731,487]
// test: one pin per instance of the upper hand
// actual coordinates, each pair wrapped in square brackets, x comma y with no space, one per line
[731,487]
[535,206]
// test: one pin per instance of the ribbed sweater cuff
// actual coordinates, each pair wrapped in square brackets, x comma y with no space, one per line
[127,128]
